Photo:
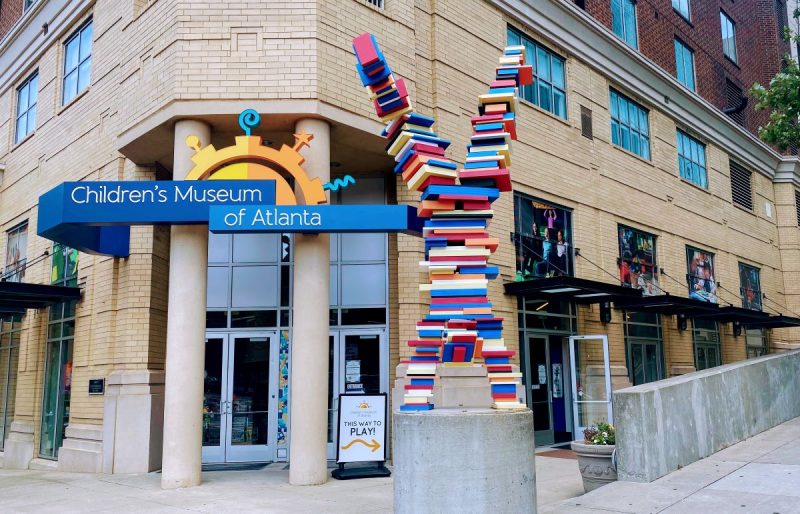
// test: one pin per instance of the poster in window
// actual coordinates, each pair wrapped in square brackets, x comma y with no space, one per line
[16,253]
[638,268]
[542,239]
[701,275]
[750,288]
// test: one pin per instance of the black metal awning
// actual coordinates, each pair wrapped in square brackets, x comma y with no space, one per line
[730,314]
[16,297]
[572,289]
[668,304]
[779,321]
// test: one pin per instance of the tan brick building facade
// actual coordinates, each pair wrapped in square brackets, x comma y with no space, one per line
[155,62]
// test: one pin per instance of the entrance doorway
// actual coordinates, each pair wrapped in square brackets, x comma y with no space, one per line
[546,372]
[240,397]
[358,363]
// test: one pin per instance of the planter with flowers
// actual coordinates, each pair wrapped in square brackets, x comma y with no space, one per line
[596,456]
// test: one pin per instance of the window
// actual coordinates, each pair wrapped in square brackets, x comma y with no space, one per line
[682,6]
[77,62]
[684,64]
[630,126]
[797,205]
[705,335]
[26,107]
[542,239]
[376,3]
[728,36]
[701,275]
[27,4]
[741,189]
[16,253]
[623,21]
[10,330]
[750,286]
[782,17]
[644,347]
[638,267]
[692,160]
[756,342]
[548,90]
[58,358]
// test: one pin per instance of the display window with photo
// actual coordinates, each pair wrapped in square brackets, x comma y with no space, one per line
[750,286]
[638,267]
[701,275]
[542,239]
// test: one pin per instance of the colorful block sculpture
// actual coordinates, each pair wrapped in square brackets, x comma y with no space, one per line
[460,329]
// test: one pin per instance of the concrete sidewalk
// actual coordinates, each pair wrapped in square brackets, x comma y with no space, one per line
[758,475]
[264,491]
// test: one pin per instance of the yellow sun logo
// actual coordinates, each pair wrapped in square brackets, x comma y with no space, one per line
[250,159]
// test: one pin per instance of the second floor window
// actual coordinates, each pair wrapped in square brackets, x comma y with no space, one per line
[16,253]
[630,127]
[750,286]
[682,6]
[684,64]
[27,4]
[692,160]
[728,36]
[77,62]
[548,90]
[623,21]
[26,107]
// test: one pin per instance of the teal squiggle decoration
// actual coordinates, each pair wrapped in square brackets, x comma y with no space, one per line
[339,182]
[248,120]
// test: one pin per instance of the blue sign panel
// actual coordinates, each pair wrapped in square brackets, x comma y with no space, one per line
[94,217]
[315,218]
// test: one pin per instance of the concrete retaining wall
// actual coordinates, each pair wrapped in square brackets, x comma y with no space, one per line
[665,425]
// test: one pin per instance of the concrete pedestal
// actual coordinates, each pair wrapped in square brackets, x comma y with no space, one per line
[464,460]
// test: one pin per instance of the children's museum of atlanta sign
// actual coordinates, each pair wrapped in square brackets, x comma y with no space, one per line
[241,188]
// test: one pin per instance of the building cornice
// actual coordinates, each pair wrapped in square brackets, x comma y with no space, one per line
[573,29]
[788,171]
[26,42]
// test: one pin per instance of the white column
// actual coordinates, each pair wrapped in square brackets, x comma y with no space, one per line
[185,367]
[308,391]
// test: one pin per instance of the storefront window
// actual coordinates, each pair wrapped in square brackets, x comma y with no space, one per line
[756,342]
[701,275]
[638,267]
[707,353]
[58,359]
[16,253]
[10,328]
[750,286]
[644,346]
[359,274]
[542,239]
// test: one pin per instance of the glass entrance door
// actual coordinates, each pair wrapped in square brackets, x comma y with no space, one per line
[240,397]
[591,381]
[358,364]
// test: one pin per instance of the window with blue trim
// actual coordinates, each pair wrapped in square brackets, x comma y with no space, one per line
[623,21]
[630,126]
[684,64]
[548,90]
[692,160]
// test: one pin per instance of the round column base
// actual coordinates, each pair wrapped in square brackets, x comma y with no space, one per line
[464,460]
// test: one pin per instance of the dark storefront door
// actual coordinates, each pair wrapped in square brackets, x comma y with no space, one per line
[545,375]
